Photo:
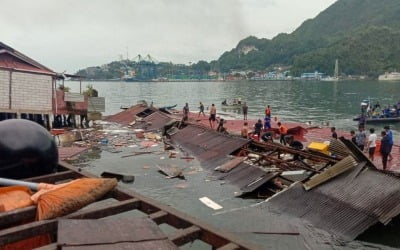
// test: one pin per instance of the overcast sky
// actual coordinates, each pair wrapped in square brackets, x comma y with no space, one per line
[70,34]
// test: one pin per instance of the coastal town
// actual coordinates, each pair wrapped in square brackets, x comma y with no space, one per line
[291,142]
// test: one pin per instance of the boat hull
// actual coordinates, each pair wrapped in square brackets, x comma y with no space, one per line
[379,120]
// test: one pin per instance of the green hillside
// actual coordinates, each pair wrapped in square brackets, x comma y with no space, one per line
[362,34]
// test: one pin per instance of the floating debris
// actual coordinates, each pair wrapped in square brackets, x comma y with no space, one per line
[209,203]
[120,177]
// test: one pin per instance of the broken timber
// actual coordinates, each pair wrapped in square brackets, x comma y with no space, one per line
[187,228]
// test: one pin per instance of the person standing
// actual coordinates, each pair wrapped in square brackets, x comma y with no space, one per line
[186,112]
[282,132]
[201,110]
[268,111]
[371,144]
[245,131]
[213,115]
[361,137]
[390,136]
[267,123]
[353,137]
[257,129]
[334,134]
[245,108]
[385,149]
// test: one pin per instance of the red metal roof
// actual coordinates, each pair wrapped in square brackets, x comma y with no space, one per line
[10,60]
[127,116]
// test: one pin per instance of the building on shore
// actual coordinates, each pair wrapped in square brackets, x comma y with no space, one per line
[28,90]
[26,87]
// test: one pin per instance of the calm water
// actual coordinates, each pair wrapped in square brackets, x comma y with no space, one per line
[296,101]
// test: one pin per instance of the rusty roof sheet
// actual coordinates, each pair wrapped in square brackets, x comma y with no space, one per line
[247,177]
[127,116]
[154,121]
[121,233]
[206,144]
[345,206]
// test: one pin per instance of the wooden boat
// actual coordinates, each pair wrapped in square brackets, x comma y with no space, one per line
[15,225]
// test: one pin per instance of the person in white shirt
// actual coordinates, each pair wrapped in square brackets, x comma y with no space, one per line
[371,145]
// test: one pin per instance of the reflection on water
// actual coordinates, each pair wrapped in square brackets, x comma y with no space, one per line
[318,102]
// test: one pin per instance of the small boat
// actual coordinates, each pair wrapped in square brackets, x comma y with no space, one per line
[234,103]
[374,114]
[169,107]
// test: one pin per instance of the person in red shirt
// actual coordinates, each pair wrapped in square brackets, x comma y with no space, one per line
[268,111]
[282,132]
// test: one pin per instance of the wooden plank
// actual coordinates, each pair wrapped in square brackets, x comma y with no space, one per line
[96,104]
[340,167]
[52,246]
[229,246]
[92,232]
[159,217]
[107,210]
[308,155]
[182,236]
[28,230]
[73,97]
[175,218]
[55,177]
[17,216]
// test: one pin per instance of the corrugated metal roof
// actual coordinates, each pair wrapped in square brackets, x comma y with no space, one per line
[213,149]
[345,206]
[127,116]
[122,233]
[207,144]
[247,177]
[153,122]
[11,58]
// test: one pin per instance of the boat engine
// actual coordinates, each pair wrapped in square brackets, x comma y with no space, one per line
[26,149]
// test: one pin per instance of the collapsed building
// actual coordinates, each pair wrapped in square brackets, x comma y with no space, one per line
[341,193]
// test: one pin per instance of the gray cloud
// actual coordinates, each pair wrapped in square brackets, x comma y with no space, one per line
[69,35]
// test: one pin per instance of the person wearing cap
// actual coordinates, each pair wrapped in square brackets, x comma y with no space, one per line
[390,136]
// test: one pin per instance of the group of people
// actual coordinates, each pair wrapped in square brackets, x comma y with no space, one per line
[377,111]
[212,118]
[368,143]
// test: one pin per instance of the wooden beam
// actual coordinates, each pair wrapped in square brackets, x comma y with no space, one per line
[308,155]
[25,231]
[159,217]
[107,210]
[229,246]
[17,216]
[55,177]
[182,236]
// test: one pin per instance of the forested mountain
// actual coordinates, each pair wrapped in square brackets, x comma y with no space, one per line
[362,34]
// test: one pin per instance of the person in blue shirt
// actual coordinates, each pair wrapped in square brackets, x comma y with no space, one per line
[390,138]
[267,123]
